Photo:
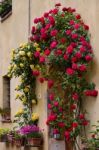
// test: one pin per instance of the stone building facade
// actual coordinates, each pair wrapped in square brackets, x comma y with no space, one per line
[16,29]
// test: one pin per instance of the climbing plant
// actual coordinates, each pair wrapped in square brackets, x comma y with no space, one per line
[60,53]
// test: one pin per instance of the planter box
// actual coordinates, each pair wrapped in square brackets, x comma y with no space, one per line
[7,10]
[34,141]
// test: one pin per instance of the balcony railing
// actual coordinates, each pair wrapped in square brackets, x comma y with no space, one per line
[5,8]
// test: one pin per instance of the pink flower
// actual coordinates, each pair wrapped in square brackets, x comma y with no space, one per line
[58,4]
[65,57]
[76,26]
[59,52]
[88,58]
[74,59]
[42,59]
[68,32]
[78,55]
[82,49]
[69,49]
[50,83]
[33,30]
[55,11]
[82,68]
[47,52]
[85,123]
[36,20]
[69,71]
[51,20]
[51,96]
[54,32]
[75,96]
[56,103]
[52,117]
[74,35]
[63,40]
[55,131]
[49,106]
[93,93]
[74,66]
[53,44]
[81,116]
[46,15]
[75,124]
[37,54]
[72,22]
[61,124]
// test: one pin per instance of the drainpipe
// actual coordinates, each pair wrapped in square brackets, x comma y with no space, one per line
[29,18]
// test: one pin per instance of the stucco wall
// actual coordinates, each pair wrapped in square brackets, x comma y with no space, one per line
[14,31]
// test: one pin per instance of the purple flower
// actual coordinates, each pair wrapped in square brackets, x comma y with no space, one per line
[29,129]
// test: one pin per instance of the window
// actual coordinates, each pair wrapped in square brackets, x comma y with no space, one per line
[5,9]
[6,99]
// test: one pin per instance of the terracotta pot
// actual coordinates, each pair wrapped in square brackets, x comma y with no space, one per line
[18,142]
[34,141]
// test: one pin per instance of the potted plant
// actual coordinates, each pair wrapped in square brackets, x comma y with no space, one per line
[5,113]
[18,139]
[33,135]
[3,134]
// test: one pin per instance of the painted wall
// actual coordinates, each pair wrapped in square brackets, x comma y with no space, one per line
[15,30]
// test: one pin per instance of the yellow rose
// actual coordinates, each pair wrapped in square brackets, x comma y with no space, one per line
[21,65]
[36,45]
[9,68]
[29,54]
[20,112]
[26,89]
[35,116]
[21,53]
[38,49]
[17,87]
[17,96]
[34,101]
[32,67]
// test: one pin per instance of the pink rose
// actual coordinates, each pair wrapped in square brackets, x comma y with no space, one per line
[70,71]
[88,58]
[68,32]
[51,96]
[50,83]
[74,35]
[75,96]
[42,59]
[47,52]
[53,44]
[76,26]
[36,73]
[74,66]
[78,55]
[37,54]
[65,57]
[70,49]
[56,103]
[82,68]
[53,32]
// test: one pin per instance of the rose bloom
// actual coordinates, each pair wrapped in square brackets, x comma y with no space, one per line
[51,20]
[53,32]
[47,52]
[42,59]
[36,72]
[56,103]
[68,32]
[73,106]
[58,4]
[75,96]
[59,52]
[74,66]
[81,116]
[65,57]
[74,59]
[37,54]
[76,26]
[61,124]
[41,80]
[63,40]
[46,14]
[69,49]
[74,35]
[88,58]
[78,55]
[82,49]
[82,68]
[70,71]
[53,44]
[72,22]
[67,135]
[55,131]
[51,96]
[75,124]
[50,83]
[49,106]
[78,16]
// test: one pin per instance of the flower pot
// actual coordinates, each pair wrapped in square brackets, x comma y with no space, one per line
[57,136]
[18,142]
[34,141]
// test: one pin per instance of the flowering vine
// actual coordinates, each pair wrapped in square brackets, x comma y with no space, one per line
[59,40]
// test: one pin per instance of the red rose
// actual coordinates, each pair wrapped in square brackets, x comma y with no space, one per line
[64,9]
[55,131]
[31,39]
[74,59]
[81,116]
[74,35]
[94,93]
[61,124]
[54,32]
[65,57]
[46,15]
[59,52]
[75,96]
[50,83]
[73,106]
[68,32]
[74,66]
[36,73]
[53,44]
[56,103]
[49,106]
[47,26]
[67,135]
[58,4]
[51,96]
[78,55]
[69,71]
[52,117]
[86,27]
[82,68]
[82,49]
[73,44]
[76,26]
[41,80]
[44,36]
[47,52]
[88,58]
[51,20]
[42,59]
[78,16]
[37,54]
[71,22]
[69,49]
[33,30]
[75,124]
[63,40]
[36,20]
[85,123]
[55,11]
